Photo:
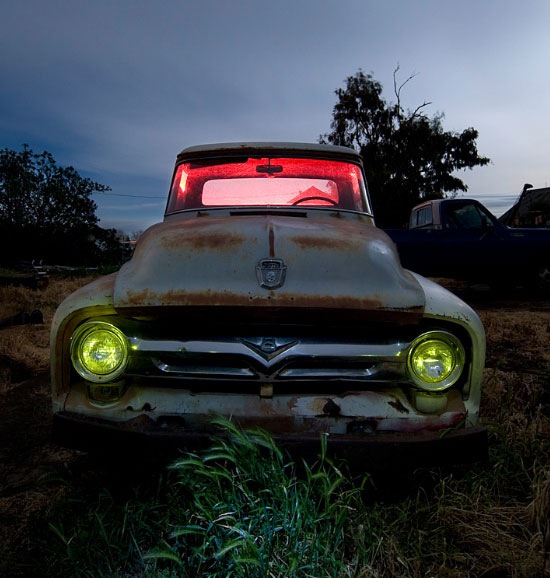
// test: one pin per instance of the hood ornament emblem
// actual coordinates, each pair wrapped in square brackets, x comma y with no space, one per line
[271,273]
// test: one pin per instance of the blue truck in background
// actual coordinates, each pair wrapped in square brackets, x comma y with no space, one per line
[461,239]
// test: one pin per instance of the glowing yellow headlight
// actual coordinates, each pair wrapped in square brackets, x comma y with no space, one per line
[436,360]
[99,351]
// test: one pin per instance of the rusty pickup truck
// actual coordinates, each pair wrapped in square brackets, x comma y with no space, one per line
[267,295]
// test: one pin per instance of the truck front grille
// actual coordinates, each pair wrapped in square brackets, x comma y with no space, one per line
[270,360]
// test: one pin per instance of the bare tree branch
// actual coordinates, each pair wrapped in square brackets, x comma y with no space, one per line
[397,89]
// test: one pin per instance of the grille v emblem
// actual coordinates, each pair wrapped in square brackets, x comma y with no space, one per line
[269,347]
[271,273]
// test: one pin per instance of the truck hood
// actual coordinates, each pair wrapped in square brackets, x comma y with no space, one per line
[535,234]
[300,260]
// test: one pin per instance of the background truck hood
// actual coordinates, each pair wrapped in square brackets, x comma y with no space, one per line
[332,260]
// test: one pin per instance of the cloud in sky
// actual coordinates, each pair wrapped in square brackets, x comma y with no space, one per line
[116,89]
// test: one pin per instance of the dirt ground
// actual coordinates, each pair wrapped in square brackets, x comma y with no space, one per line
[31,466]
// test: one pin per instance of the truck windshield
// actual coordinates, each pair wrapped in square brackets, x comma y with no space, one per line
[268,182]
[468,216]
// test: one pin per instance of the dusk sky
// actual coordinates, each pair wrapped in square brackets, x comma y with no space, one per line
[117,88]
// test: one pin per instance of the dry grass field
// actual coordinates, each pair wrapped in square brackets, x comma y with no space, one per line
[496,515]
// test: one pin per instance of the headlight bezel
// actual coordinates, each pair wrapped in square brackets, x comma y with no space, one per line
[449,345]
[84,333]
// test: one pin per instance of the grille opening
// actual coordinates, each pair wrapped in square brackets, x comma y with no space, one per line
[220,366]
[328,387]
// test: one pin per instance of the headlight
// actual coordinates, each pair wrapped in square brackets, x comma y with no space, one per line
[436,360]
[99,351]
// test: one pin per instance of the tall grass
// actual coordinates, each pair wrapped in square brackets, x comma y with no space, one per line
[238,509]
[243,508]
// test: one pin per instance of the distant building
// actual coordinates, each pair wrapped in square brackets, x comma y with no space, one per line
[532,209]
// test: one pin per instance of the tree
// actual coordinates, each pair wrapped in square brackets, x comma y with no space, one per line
[46,211]
[408,156]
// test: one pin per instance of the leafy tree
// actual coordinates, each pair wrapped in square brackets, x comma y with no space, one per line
[408,156]
[46,211]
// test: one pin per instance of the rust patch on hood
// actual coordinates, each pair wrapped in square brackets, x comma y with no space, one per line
[282,308]
[213,298]
[217,241]
[305,242]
